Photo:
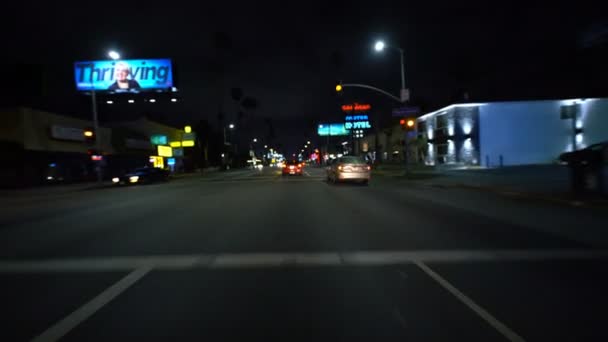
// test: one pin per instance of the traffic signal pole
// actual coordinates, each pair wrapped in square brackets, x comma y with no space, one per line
[407,125]
[98,168]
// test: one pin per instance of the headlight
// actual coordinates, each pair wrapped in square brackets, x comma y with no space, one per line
[115,180]
[133,179]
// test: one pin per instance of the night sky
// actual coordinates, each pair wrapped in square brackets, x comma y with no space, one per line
[289,55]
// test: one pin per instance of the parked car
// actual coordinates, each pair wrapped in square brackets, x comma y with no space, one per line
[589,168]
[144,175]
[349,168]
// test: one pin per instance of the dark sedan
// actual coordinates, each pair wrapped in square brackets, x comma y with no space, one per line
[143,176]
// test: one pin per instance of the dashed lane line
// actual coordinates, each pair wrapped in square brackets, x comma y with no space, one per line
[71,321]
[481,312]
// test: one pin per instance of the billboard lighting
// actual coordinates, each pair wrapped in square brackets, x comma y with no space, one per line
[114,55]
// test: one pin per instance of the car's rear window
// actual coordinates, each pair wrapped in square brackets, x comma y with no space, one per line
[352,160]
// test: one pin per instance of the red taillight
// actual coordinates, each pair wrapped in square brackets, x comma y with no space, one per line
[368,167]
[291,167]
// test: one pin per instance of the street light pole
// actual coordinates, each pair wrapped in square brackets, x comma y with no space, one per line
[380,46]
[98,170]
[402,69]
[98,167]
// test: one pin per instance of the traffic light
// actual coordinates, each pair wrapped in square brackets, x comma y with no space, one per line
[338,88]
[408,124]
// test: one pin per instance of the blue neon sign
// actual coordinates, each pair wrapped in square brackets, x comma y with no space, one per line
[132,75]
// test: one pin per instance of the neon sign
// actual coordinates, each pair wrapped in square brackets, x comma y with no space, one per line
[357,107]
[357,122]
[356,118]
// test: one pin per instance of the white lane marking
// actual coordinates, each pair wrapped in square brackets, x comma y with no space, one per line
[306,173]
[64,326]
[481,312]
[231,260]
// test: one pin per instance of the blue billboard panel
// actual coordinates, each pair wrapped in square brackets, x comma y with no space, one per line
[133,75]
[333,129]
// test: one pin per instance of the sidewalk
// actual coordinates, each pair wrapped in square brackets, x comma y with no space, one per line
[60,189]
[537,182]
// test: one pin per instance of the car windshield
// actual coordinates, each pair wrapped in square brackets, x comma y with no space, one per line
[304,171]
[143,170]
[352,160]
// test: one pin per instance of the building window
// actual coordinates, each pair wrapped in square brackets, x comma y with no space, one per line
[421,129]
[441,121]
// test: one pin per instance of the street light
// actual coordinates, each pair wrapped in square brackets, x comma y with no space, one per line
[379,47]
[255,140]
[113,54]
[265,146]
[231,126]
[308,142]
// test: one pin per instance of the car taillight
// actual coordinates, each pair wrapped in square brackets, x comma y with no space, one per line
[291,167]
[299,165]
[340,167]
[368,167]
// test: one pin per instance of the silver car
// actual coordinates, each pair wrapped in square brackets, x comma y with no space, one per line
[349,168]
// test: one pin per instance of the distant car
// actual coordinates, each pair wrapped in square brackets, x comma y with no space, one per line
[143,176]
[349,168]
[292,168]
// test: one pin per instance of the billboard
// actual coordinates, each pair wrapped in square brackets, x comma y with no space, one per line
[133,75]
[333,129]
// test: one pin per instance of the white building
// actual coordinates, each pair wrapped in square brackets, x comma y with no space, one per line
[512,133]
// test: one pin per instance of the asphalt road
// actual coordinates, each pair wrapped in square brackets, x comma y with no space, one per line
[250,254]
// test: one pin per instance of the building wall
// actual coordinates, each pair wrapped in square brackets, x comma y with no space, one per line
[149,128]
[452,135]
[11,129]
[513,133]
[594,121]
[533,132]
[32,128]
